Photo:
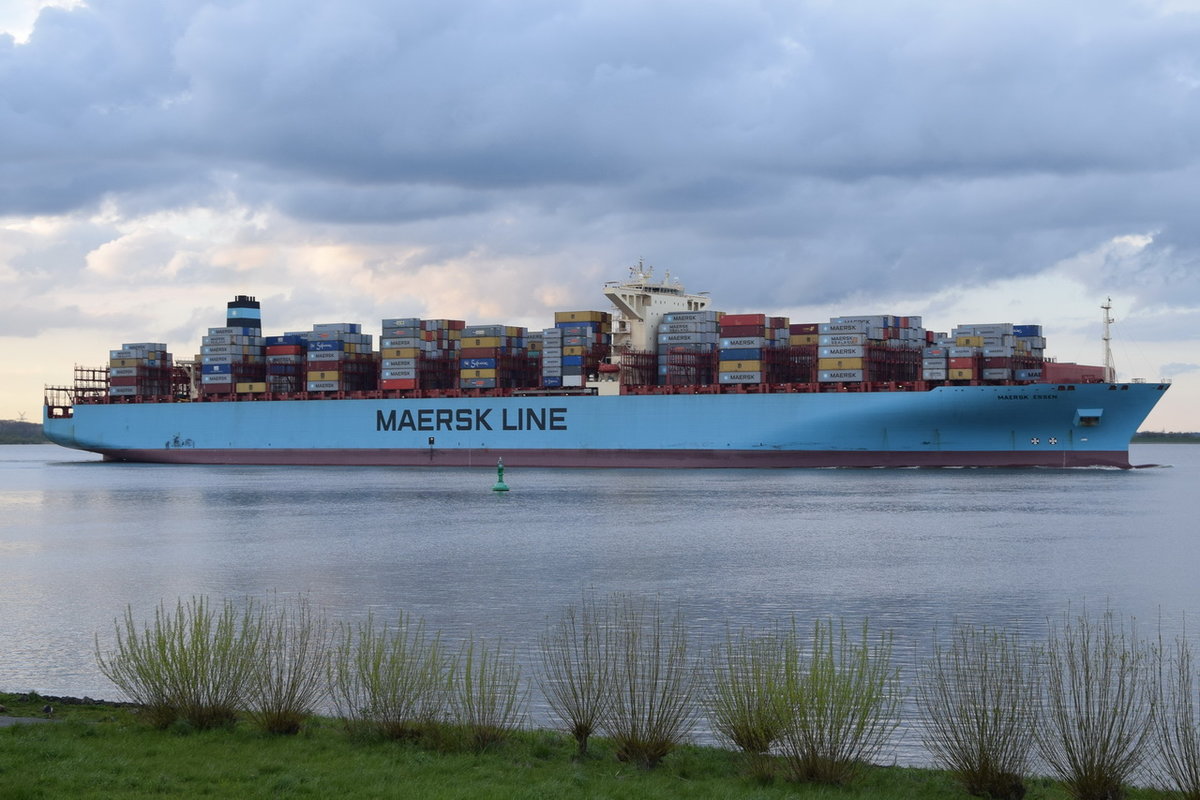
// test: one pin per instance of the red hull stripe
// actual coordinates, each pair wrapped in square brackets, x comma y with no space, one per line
[664,459]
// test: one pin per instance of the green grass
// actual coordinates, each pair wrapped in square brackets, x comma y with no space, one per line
[100,751]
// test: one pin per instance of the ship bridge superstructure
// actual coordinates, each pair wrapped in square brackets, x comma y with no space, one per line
[641,302]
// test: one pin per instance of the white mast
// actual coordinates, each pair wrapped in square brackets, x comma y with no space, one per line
[1110,367]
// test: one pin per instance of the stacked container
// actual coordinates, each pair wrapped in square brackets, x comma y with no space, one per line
[550,361]
[492,356]
[286,363]
[878,347]
[687,346]
[232,358]
[140,369]
[419,353]
[586,337]
[339,358]
[752,348]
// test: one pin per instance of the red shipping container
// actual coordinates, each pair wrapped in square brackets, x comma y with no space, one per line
[324,366]
[284,349]
[744,319]
[962,363]
[480,352]
[803,329]
[124,380]
[779,322]
[216,388]
[398,383]
[742,330]
[1004,362]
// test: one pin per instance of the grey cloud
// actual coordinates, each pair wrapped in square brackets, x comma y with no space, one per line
[820,147]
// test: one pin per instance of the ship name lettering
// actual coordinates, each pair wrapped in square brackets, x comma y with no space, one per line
[1025,397]
[466,419]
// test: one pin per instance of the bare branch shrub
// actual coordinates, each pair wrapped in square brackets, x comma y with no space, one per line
[193,664]
[1099,705]
[656,682]
[289,677]
[844,701]
[747,697]
[390,680]
[577,671]
[978,698]
[1178,722]
[487,695]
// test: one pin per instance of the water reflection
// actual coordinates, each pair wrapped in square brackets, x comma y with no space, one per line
[910,549]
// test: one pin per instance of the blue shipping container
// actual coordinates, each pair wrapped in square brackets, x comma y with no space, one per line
[289,339]
[741,354]
[216,369]
[477,363]
[572,361]
[551,380]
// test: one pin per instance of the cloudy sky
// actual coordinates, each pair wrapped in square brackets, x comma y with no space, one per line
[494,161]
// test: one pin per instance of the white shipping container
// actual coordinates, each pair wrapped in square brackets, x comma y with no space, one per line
[740,377]
[843,352]
[963,352]
[842,327]
[226,378]
[398,363]
[872,321]
[997,352]
[122,391]
[398,374]
[221,359]
[123,372]
[325,355]
[551,361]
[840,375]
[997,374]
[572,380]
[933,363]
[842,340]
[744,343]
[322,386]
[933,374]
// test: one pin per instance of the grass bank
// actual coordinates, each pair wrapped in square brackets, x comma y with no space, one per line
[104,751]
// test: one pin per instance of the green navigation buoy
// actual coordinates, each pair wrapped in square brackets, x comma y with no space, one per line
[500,486]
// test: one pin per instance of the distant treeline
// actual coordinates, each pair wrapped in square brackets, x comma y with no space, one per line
[1159,437]
[14,432]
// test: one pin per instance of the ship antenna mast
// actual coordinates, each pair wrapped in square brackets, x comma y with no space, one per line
[1110,367]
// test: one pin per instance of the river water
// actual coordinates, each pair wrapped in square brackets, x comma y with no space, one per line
[912,550]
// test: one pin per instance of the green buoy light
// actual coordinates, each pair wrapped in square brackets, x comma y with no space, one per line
[500,486]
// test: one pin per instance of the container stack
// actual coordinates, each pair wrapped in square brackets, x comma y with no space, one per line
[742,348]
[419,353]
[687,345]
[339,358]
[232,358]
[586,339]
[493,356]
[874,348]
[140,369]
[996,352]
[550,348]
[286,363]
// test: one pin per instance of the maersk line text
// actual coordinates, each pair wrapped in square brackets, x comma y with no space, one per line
[472,419]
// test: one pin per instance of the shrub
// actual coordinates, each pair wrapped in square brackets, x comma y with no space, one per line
[289,676]
[487,698]
[1178,724]
[193,664]
[978,699]
[655,682]
[577,671]
[843,701]
[1098,705]
[747,697]
[392,681]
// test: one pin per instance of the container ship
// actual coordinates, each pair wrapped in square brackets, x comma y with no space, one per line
[659,379]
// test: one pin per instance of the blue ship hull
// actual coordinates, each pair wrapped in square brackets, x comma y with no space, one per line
[1028,425]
